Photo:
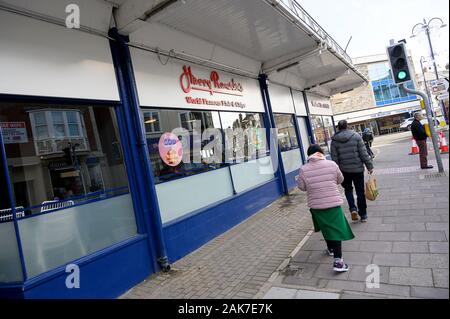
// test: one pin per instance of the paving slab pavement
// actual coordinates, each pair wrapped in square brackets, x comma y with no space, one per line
[275,254]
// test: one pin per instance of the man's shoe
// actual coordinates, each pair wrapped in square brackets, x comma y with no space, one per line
[355,216]
[427,167]
[364,220]
[340,266]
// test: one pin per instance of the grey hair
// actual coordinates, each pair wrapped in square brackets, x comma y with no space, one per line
[417,114]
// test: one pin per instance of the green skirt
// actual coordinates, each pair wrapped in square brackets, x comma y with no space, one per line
[332,223]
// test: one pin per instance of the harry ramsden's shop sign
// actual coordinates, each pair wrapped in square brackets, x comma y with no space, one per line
[212,85]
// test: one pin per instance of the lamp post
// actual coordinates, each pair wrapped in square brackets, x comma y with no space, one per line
[422,59]
[426,27]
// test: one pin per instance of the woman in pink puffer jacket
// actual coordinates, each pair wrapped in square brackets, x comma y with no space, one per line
[320,179]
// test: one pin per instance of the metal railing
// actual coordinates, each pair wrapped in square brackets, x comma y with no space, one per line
[296,9]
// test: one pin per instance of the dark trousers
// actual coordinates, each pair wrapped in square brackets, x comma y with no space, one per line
[356,179]
[335,247]
[369,150]
[423,153]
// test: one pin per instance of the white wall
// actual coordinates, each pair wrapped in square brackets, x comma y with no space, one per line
[281,99]
[299,103]
[43,59]
[292,160]
[53,239]
[185,195]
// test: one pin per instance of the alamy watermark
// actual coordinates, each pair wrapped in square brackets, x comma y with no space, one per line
[73,16]
[373,279]
[73,279]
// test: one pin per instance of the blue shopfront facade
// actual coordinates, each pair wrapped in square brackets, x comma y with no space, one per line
[89,205]
[79,185]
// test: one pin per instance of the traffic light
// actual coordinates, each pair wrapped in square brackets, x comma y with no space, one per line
[398,58]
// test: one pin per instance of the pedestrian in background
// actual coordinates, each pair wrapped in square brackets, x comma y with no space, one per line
[420,135]
[350,154]
[367,137]
[320,179]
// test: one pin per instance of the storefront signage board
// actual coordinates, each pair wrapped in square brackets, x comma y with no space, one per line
[319,105]
[179,84]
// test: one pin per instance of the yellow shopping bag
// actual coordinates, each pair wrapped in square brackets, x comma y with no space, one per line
[371,188]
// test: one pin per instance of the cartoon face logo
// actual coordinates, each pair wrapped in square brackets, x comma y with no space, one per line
[170,149]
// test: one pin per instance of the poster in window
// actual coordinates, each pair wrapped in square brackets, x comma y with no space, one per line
[14,132]
[170,149]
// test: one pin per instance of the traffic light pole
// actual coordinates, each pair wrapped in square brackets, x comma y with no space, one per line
[430,123]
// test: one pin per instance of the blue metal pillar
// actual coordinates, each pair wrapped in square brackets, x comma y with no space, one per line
[142,185]
[262,78]
[297,132]
[334,124]
[312,139]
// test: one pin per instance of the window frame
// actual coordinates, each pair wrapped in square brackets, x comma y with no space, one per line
[158,115]
[49,122]
[292,118]
[219,112]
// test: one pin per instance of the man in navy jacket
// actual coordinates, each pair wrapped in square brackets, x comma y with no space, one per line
[420,135]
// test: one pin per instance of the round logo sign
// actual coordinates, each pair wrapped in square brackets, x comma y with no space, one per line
[170,149]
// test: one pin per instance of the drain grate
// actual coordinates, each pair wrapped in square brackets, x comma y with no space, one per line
[434,176]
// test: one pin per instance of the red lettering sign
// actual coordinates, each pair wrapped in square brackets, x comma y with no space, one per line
[212,85]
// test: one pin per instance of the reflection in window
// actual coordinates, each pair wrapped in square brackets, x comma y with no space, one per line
[186,124]
[152,122]
[287,136]
[245,136]
[62,154]
[323,131]
[68,182]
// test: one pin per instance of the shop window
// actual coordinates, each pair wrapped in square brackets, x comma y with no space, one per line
[71,200]
[287,136]
[245,136]
[52,130]
[195,154]
[323,131]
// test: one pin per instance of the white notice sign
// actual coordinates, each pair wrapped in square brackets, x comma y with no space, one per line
[14,132]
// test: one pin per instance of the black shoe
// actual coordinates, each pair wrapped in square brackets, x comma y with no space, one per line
[427,167]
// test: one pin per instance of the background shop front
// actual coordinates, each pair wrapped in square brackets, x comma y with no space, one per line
[385,121]
[322,121]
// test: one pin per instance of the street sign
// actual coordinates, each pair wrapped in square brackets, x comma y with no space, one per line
[442,96]
[439,86]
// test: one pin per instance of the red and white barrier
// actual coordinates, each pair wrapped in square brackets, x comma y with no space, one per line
[414,148]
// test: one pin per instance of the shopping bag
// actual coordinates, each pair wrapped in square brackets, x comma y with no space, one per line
[371,188]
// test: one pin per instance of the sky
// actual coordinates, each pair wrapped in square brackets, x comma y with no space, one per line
[372,23]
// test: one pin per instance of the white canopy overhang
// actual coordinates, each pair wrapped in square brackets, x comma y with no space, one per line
[278,38]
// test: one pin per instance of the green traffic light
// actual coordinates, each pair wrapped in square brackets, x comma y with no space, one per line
[402,75]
